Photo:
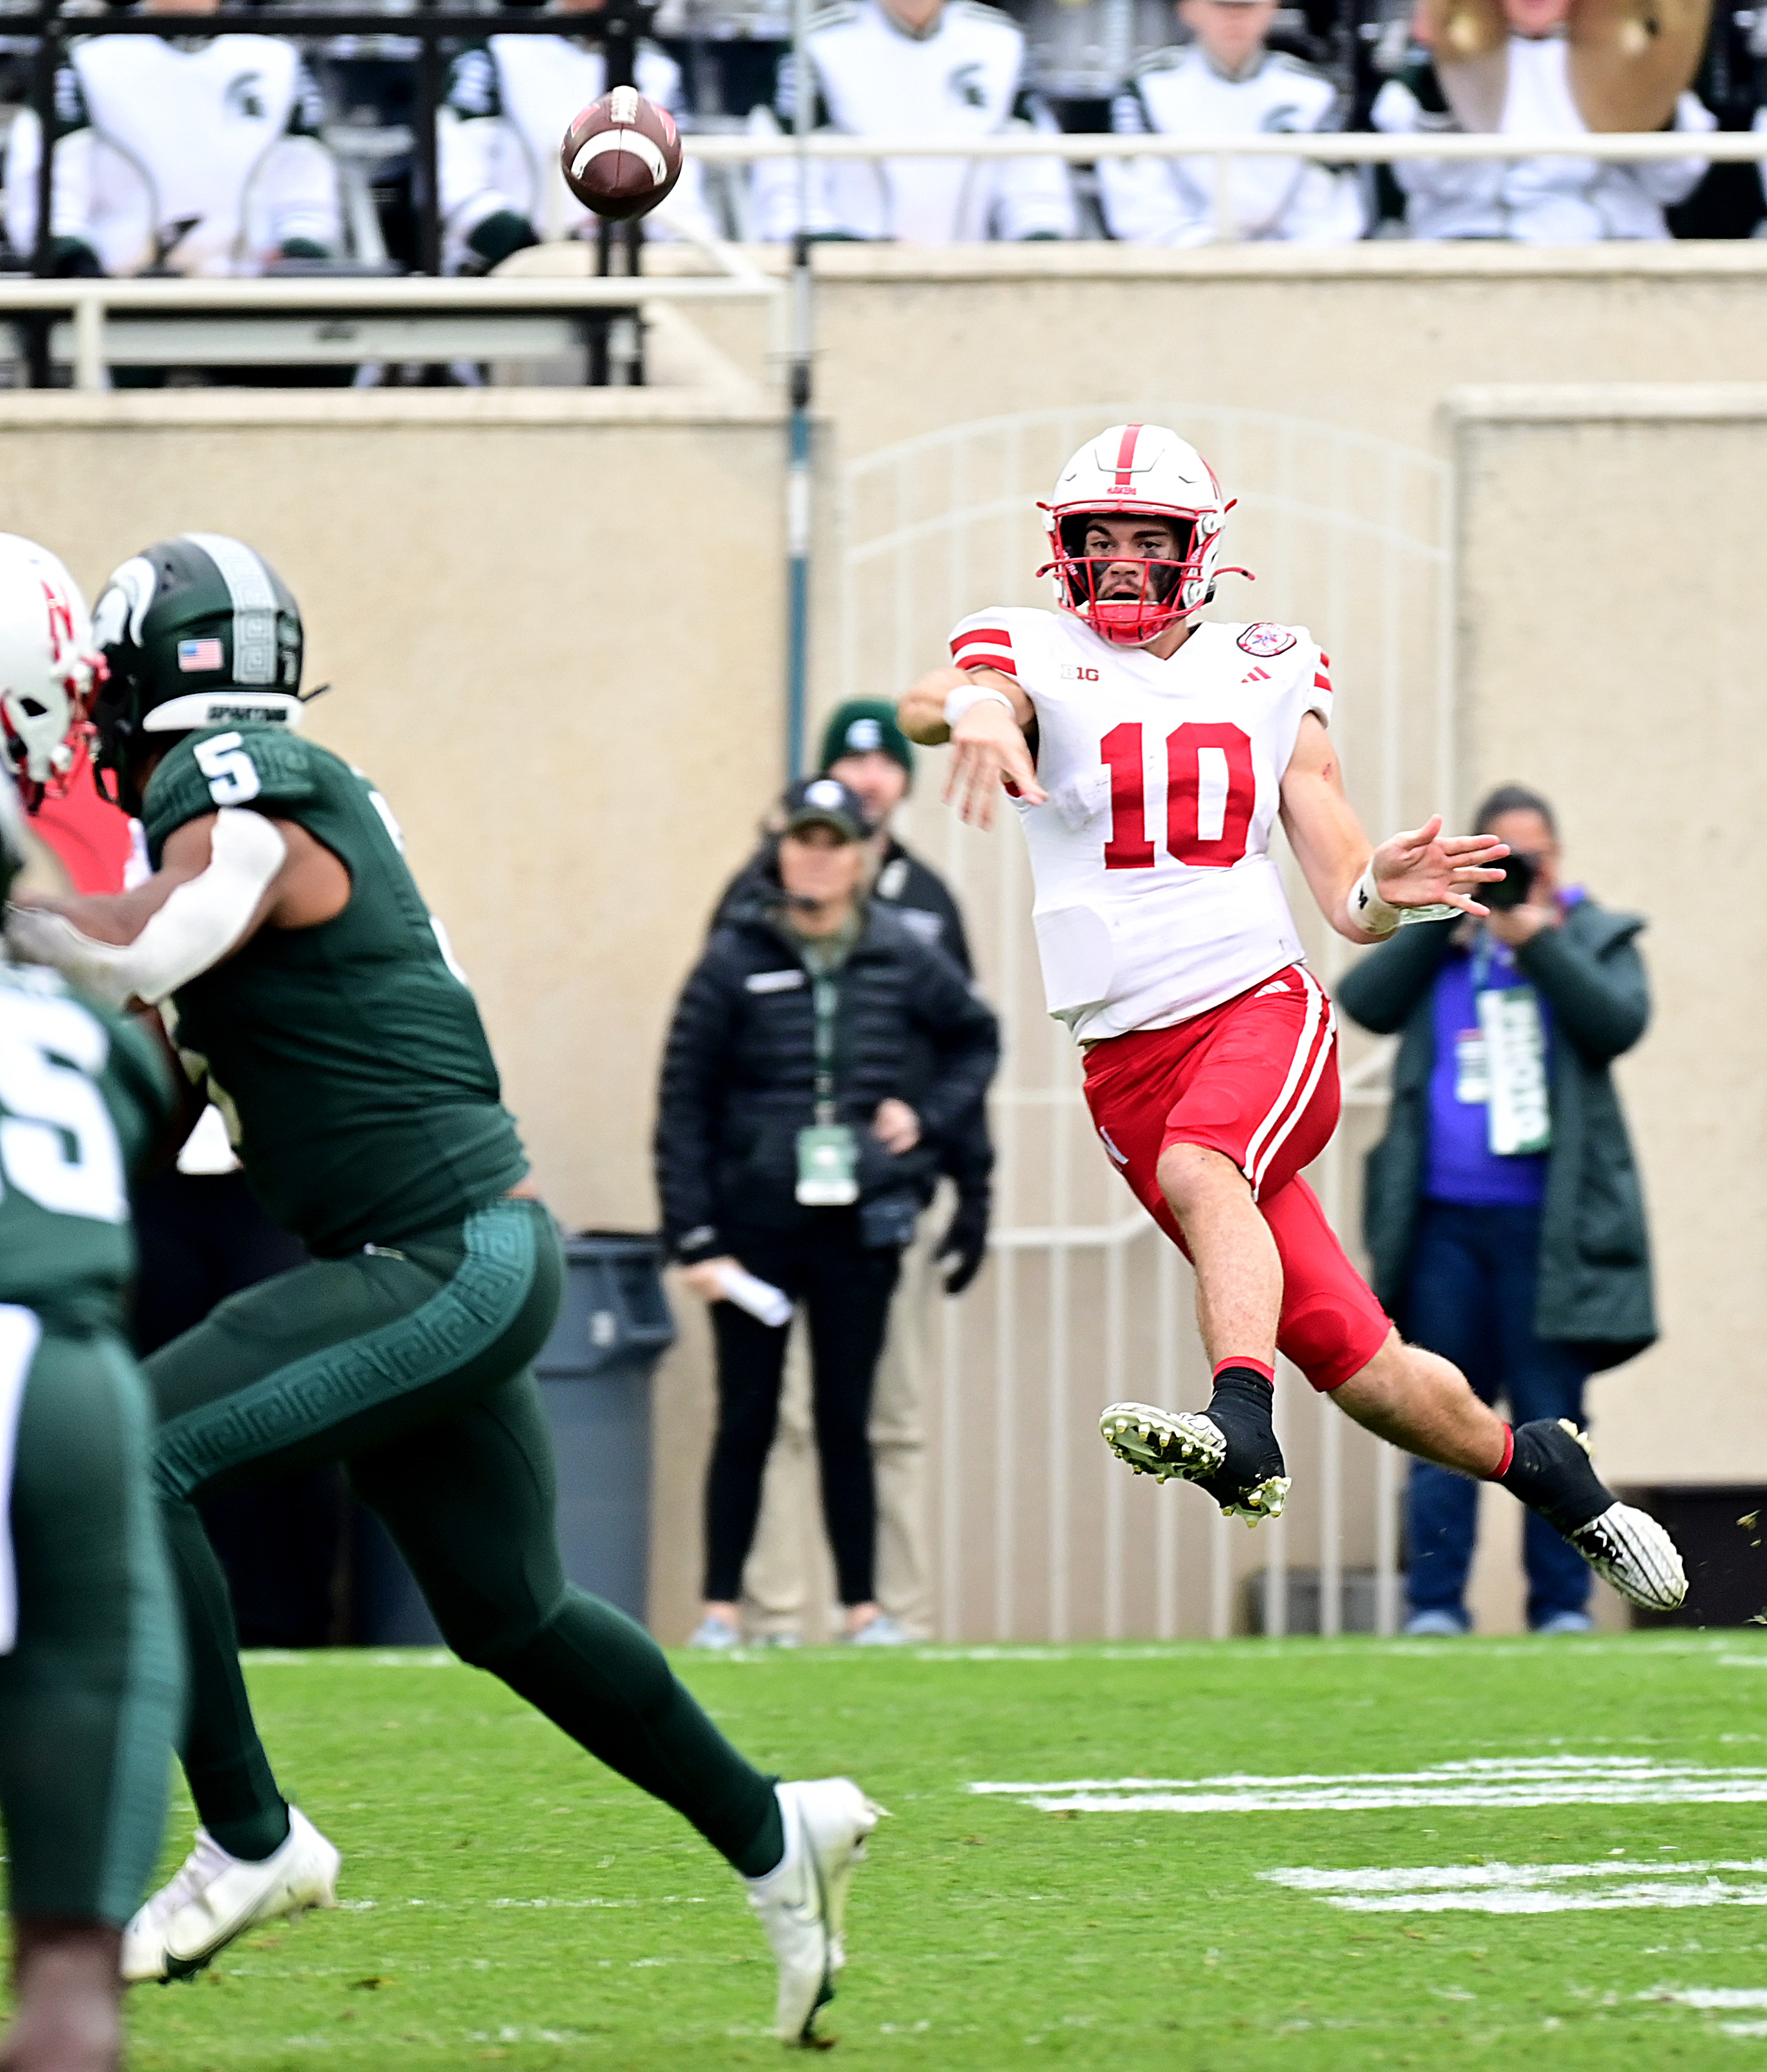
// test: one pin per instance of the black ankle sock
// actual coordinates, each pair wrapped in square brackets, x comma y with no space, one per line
[1241,1405]
[767,1852]
[255,1837]
[1549,1472]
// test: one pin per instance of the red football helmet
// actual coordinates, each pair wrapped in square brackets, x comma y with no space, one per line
[1135,470]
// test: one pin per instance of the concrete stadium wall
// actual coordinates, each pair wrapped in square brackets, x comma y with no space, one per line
[573,711]
[1612,619]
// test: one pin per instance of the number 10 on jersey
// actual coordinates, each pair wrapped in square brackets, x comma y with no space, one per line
[1212,791]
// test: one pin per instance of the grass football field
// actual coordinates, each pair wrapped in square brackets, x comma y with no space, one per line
[506,1901]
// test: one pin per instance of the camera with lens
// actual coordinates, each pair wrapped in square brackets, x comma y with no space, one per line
[1509,892]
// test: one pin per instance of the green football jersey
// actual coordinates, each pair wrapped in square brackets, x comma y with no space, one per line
[349,1058]
[83,1093]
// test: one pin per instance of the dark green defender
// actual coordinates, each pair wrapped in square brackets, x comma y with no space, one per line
[318,1000]
[90,1684]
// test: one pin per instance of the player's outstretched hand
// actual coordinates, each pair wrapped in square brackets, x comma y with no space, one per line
[1426,868]
[988,749]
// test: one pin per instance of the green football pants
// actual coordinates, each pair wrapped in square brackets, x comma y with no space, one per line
[90,1692]
[410,1364]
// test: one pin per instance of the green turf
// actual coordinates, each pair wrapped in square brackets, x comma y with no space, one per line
[507,1901]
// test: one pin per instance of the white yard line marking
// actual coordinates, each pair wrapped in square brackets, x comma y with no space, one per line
[1568,1780]
[1607,1886]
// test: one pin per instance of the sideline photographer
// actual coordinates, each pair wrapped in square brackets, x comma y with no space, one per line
[820,1055]
[1503,1216]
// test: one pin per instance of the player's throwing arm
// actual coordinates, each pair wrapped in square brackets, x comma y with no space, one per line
[1148,755]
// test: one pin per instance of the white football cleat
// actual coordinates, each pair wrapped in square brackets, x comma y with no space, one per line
[1627,1548]
[803,1903]
[215,1897]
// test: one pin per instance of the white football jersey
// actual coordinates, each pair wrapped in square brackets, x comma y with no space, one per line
[1156,896]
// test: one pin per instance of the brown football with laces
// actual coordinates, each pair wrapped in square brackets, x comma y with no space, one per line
[622,156]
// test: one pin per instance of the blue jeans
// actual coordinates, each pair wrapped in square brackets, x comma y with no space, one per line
[1470,1296]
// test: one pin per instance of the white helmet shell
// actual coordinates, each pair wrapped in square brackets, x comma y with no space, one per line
[1136,470]
[49,664]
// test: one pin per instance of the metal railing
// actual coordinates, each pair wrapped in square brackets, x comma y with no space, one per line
[348,321]
[1331,148]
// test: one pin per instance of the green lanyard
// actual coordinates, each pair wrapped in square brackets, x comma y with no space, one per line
[825,996]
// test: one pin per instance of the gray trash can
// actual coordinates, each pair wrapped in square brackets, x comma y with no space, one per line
[594,1374]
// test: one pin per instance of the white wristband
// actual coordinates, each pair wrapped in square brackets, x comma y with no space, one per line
[1368,910]
[966,695]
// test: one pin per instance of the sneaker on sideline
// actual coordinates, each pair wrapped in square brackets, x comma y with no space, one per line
[1567,1622]
[882,1631]
[1434,1626]
[715,1633]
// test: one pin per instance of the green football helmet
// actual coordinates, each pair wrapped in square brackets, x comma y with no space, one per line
[196,631]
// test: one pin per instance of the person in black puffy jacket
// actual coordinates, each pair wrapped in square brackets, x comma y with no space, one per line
[820,1056]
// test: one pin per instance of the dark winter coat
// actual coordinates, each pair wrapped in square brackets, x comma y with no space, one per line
[739,1073]
[922,901]
[1594,1289]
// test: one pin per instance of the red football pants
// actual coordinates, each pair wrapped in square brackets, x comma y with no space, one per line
[1256,1079]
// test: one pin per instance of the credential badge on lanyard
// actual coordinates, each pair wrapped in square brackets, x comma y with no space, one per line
[827,1152]
[1519,1112]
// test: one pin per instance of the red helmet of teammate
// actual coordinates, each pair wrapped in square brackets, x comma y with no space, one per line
[1135,471]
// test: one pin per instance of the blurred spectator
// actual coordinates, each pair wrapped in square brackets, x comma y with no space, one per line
[1503,1214]
[1227,82]
[508,103]
[864,748]
[1540,201]
[819,1057]
[1079,52]
[728,51]
[915,67]
[194,154]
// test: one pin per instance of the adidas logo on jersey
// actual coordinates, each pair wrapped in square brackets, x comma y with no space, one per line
[1256,676]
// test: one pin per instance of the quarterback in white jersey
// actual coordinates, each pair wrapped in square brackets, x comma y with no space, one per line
[1148,757]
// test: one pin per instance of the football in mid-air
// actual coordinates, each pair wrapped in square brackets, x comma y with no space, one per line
[622,156]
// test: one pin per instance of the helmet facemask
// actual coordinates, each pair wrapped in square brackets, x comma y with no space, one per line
[1169,589]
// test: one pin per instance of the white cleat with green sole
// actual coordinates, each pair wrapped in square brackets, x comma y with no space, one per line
[1187,1445]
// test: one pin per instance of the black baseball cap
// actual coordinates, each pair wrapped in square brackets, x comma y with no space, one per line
[824,802]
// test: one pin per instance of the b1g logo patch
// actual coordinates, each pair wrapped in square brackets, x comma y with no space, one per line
[1267,640]
[1076,672]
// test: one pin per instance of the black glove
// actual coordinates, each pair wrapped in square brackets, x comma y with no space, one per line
[965,1243]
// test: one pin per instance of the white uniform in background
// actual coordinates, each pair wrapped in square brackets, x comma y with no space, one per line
[1541,201]
[1172,201]
[202,156]
[508,104]
[1156,896]
[961,77]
